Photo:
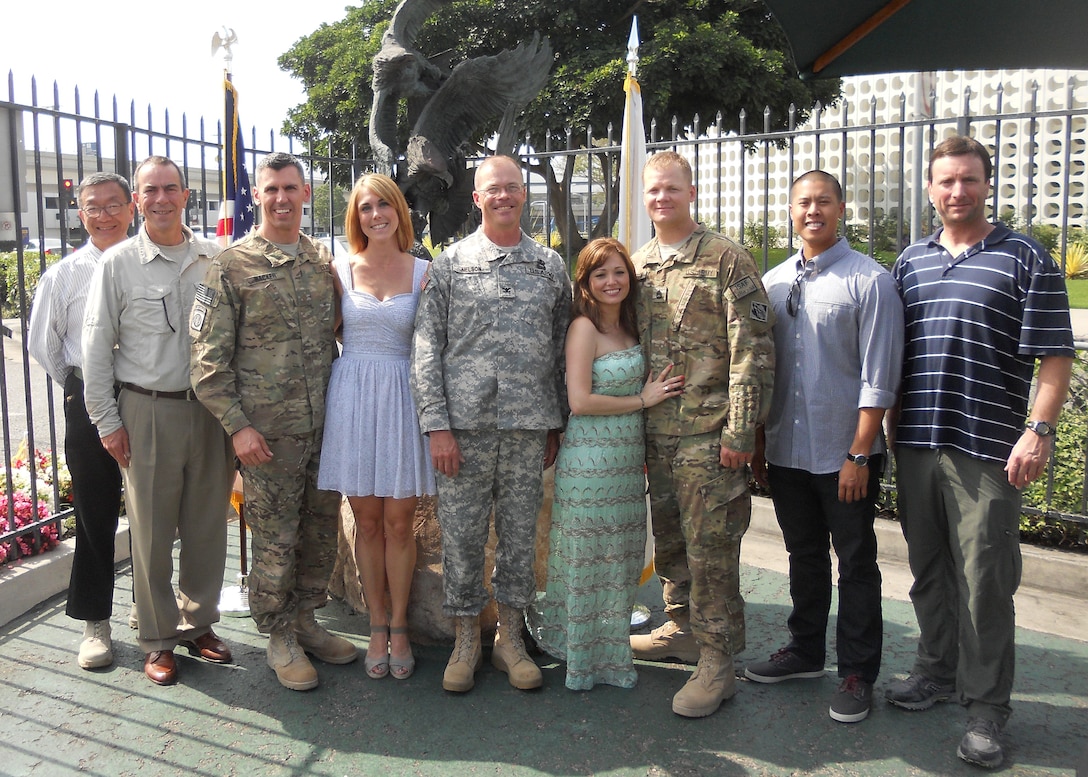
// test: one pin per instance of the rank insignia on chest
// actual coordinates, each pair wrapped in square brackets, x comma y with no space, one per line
[506,291]
[207,295]
[759,312]
[660,294]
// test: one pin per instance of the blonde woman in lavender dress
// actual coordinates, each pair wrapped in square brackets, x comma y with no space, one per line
[373,452]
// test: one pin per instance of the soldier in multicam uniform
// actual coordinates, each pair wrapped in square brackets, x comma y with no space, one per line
[263,348]
[487,377]
[703,308]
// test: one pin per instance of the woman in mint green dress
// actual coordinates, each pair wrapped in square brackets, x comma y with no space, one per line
[598,535]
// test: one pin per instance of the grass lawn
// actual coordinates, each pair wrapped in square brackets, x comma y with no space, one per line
[1078,292]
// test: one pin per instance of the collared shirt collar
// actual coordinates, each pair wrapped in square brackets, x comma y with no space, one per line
[998,234]
[685,254]
[148,249]
[839,249]
[494,252]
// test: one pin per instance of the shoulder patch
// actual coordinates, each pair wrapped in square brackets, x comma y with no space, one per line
[198,317]
[758,312]
[742,288]
[425,279]
[207,295]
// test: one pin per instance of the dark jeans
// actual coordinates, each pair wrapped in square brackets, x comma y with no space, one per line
[809,512]
[96,495]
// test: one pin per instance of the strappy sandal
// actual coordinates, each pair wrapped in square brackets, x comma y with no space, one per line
[401,669]
[377,668]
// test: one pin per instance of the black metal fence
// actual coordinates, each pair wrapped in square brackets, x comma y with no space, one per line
[742,179]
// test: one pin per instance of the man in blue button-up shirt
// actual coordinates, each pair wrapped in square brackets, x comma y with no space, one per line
[839,339]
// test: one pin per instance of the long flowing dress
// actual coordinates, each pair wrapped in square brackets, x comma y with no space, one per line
[372,444]
[598,536]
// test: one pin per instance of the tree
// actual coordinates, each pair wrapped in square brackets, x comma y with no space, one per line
[323,214]
[696,57]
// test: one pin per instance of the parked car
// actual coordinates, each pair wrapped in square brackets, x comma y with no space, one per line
[53,247]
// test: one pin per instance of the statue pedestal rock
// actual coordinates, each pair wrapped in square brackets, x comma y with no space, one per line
[426,622]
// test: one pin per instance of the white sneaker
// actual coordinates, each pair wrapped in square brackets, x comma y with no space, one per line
[96,649]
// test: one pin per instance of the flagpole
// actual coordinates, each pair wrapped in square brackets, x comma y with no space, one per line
[236,212]
[233,599]
[634,224]
[634,232]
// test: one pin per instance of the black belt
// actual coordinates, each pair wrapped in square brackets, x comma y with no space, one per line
[189,395]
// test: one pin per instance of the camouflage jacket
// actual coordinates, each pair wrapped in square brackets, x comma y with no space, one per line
[263,342]
[488,346]
[706,311]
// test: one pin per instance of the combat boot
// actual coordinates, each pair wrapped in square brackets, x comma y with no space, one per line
[673,639]
[713,681]
[288,661]
[508,654]
[460,674]
[318,642]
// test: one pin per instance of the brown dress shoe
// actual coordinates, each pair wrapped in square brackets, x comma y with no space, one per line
[160,667]
[209,647]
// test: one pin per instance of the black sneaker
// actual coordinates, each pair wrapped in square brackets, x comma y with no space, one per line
[783,665]
[918,692]
[981,744]
[852,701]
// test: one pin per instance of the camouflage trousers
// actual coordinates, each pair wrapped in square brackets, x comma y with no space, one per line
[700,511]
[294,531]
[502,470]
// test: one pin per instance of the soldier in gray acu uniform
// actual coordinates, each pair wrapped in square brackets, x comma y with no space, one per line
[263,348]
[487,377]
[702,307]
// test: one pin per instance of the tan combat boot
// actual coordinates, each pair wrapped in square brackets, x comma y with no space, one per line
[460,674]
[318,642]
[673,639]
[287,660]
[508,654]
[713,681]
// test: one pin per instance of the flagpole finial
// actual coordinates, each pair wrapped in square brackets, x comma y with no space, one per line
[225,42]
[632,48]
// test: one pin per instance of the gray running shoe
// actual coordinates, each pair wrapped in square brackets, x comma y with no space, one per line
[918,692]
[981,744]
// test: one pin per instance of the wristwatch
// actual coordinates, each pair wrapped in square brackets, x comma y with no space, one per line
[1041,428]
[858,458]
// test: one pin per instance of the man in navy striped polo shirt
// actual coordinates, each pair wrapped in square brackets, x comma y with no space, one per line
[982,303]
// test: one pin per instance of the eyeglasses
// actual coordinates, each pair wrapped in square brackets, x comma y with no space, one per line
[495,191]
[93,211]
[793,299]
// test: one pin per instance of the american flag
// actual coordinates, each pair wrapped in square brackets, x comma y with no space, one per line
[236,209]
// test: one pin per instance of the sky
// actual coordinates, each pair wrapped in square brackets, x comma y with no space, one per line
[160,57]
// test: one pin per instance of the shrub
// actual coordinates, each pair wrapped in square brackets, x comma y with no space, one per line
[754,233]
[1067,488]
[38,468]
[9,280]
[1076,260]
[1048,236]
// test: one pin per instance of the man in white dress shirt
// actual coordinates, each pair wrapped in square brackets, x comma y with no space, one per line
[55,342]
